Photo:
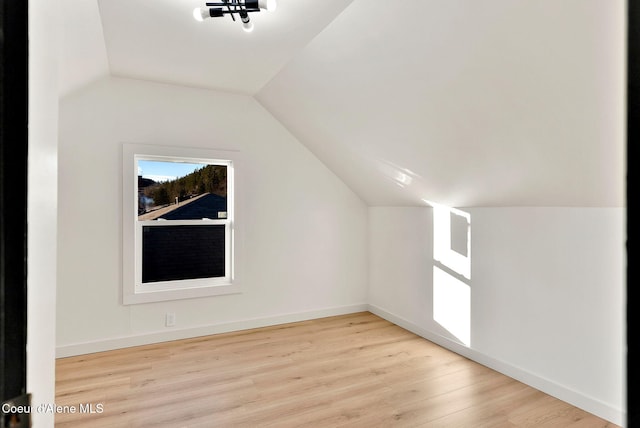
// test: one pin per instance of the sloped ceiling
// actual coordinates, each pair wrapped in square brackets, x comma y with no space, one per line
[464,102]
[82,56]
[159,40]
[461,102]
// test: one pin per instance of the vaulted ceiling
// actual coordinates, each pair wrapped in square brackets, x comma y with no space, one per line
[461,102]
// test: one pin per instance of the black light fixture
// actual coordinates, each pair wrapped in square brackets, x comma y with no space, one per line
[233,7]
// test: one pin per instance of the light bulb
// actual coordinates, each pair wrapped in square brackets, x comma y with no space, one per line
[269,5]
[247,26]
[200,13]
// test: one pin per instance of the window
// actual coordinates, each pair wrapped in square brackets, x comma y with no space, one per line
[178,223]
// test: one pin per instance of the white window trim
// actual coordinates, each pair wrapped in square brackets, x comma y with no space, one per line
[133,290]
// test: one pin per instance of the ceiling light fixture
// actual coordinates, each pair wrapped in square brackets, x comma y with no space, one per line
[233,7]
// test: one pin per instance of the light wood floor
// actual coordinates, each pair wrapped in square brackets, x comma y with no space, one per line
[348,371]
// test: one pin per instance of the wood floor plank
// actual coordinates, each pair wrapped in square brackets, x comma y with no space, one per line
[354,370]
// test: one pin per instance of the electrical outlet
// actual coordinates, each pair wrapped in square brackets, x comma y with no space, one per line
[170,319]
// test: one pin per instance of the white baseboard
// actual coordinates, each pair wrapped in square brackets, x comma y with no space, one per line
[589,404]
[185,333]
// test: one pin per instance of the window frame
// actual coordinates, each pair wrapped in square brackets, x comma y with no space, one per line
[134,291]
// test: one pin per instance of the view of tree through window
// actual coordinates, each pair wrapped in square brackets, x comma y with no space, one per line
[201,193]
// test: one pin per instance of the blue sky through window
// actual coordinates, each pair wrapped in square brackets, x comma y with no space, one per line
[166,170]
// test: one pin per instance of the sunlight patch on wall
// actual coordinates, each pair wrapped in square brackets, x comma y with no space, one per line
[452,305]
[452,270]
[453,253]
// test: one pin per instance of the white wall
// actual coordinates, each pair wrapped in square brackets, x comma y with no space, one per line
[305,232]
[547,294]
[41,206]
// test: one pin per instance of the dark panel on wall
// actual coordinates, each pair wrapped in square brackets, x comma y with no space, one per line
[172,253]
